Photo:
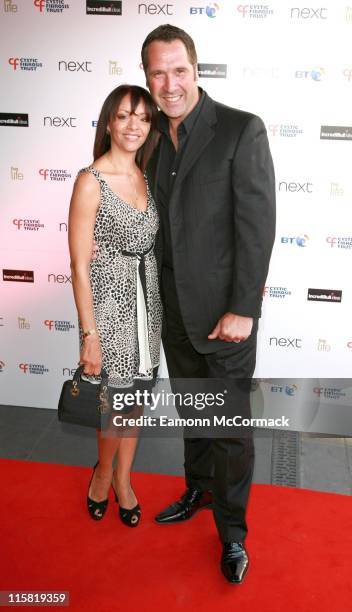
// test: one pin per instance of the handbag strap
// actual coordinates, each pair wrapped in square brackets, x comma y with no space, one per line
[103,374]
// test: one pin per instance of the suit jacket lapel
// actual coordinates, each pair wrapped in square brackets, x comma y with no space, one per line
[153,168]
[202,133]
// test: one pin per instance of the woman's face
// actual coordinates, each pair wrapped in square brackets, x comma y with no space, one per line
[129,130]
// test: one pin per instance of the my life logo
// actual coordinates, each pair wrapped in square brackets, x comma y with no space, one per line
[210,10]
[300,241]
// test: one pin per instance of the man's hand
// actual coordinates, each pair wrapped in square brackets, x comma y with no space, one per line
[232,328]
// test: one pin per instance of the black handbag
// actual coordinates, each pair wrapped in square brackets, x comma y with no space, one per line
[85,403]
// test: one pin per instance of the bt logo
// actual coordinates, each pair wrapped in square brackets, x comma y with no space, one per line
[300,241]
[210,10]
[288,389]
[316,74]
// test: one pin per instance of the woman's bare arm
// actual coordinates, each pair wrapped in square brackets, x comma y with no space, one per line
[83,209]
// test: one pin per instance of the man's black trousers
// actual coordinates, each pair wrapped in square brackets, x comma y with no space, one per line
[223,465]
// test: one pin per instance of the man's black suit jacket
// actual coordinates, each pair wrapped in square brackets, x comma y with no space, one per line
[222,219]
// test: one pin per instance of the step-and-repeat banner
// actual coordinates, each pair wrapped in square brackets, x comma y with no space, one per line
[289,62]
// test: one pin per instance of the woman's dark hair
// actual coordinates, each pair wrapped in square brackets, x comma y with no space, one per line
[168,33]
[108,112]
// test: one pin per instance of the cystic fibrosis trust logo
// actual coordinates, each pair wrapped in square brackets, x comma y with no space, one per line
[276,292]
[28,224]
[331,393]
[210,10]
[341,242]
[54,174]
[285,130]
[60,326]
[254,11]
[33,368]
[25,63]
[50,6]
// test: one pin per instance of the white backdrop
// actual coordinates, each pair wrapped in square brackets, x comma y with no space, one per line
[289,62]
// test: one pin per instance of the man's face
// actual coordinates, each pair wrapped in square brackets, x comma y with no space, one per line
[171,78]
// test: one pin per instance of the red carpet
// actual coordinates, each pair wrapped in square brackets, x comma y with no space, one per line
[300,545]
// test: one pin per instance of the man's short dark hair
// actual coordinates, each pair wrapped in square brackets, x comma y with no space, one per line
[168,33]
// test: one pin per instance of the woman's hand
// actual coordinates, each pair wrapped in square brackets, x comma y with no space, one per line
[91,356]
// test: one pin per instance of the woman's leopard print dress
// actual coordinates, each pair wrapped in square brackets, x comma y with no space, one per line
[124,281]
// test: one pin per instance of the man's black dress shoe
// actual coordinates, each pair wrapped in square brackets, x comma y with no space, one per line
[234,562]
[183,509]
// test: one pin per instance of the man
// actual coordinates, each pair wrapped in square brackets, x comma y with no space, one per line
[213,180]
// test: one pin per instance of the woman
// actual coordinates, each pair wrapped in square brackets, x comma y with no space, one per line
[117,294]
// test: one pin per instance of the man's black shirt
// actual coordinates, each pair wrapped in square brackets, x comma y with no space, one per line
[169,164]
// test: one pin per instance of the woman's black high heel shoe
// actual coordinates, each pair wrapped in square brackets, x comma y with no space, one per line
[96,509]
[130,517]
